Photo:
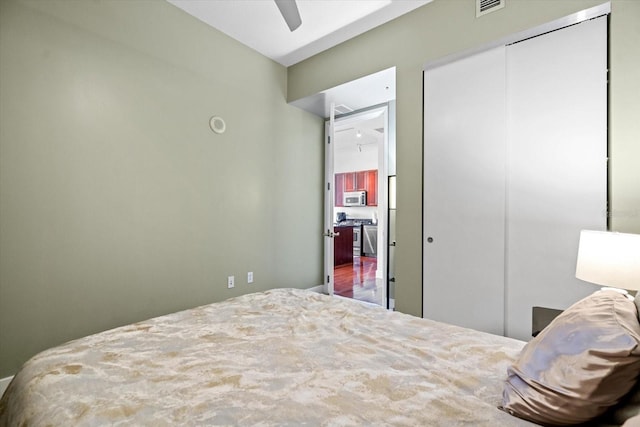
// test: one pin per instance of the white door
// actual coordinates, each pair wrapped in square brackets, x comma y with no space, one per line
[557,127]
[329,216]
[464,191]
[515,166]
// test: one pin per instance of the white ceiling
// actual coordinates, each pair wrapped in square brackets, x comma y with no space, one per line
[325,23]
[369,127]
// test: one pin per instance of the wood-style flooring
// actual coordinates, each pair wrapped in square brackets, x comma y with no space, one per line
[356,280]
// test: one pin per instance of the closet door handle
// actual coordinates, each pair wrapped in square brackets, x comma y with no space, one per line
[430,239]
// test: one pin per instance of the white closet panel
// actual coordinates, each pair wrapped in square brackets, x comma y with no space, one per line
[464,191]
[557,133]
[515,144]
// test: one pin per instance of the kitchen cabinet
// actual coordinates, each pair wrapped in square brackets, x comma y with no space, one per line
[357,181]
[371,185]
[342,246]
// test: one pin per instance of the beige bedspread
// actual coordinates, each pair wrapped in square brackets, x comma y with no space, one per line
[284,357]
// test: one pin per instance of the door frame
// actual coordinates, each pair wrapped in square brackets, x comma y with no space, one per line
[382,270]
[329,194]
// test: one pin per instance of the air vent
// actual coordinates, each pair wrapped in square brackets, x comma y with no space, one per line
[342,109]
[487,6]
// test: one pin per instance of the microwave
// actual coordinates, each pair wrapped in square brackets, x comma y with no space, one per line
[355,198]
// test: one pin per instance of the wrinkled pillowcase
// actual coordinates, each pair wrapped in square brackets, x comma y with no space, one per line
[580,365]
[629,407]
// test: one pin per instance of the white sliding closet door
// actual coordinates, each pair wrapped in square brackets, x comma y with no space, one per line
[557,133]
[464,190]
[515,146]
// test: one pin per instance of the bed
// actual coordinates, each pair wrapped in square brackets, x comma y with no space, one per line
[283,357]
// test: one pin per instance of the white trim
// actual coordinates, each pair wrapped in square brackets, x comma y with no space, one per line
[575,18]
[4,383]
[319,289]
[329,195]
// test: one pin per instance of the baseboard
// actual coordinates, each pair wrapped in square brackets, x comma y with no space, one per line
[319,289]
[4,383]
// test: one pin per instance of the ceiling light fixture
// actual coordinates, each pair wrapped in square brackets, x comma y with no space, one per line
[358,134]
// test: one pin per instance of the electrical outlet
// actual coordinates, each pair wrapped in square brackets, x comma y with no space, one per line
[250,277]
[230,282]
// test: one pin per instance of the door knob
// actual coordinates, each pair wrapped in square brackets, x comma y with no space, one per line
[430,239]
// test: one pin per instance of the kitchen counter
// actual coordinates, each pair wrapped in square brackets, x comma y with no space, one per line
[343,245]
[357,224]
[353,223]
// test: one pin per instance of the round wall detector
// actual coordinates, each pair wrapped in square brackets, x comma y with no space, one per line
[217,124]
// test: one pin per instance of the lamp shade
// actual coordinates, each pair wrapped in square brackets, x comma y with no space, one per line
[609,259]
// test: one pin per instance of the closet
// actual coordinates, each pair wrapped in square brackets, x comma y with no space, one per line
[515,150]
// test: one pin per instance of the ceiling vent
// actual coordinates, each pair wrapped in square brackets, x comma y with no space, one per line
[342,109]
[487,6]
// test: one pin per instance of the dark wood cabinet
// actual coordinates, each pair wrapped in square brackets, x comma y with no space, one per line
[342,246]
[361,181]
[349,181]
[371,185]
[357,181]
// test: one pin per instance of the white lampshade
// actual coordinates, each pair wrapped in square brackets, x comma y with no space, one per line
[609,259]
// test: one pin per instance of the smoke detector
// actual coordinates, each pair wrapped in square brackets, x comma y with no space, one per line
[487,6]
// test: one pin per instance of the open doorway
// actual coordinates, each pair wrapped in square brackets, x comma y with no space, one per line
[360,128]
[359,205]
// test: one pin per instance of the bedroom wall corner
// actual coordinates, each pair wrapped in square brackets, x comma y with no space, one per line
[117,202]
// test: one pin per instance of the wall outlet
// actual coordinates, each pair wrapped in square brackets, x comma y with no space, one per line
[250,277]
[230,282]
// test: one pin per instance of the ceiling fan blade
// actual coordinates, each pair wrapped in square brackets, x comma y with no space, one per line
[289,11]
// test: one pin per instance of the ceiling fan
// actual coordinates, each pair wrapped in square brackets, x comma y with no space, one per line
[290,13]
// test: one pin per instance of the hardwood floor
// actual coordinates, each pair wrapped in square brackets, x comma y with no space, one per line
[357,280]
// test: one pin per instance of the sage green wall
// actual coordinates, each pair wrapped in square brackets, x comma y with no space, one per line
[445,27]
[624,116]
[117,202]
